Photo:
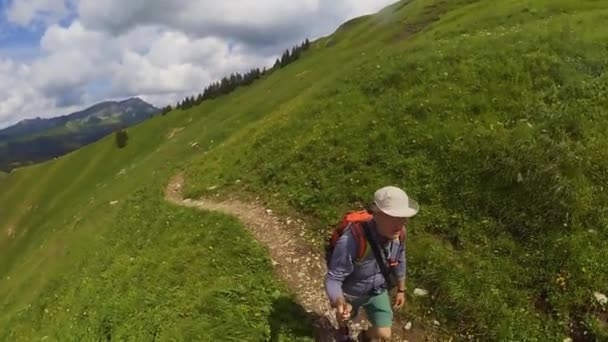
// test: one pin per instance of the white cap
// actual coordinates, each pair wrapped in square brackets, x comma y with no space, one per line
[395,202]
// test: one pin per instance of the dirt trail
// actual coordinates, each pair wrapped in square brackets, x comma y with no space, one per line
[10,232]
[294,260]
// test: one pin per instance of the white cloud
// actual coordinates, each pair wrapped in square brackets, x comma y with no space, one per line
[159,50]
[27,12]
[159,65]
[267,22]
[18,95]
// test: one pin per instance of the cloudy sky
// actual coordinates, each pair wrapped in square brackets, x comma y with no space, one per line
[58,56]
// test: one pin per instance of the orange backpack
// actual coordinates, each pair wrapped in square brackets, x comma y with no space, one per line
[357,218]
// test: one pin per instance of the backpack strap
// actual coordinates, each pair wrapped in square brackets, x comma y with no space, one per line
[359,237]
[402,237]
[379,259]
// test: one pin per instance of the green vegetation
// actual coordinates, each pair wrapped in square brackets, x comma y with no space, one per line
[168,279]
[121,138]
[77,221]
[494,117]
[491,114]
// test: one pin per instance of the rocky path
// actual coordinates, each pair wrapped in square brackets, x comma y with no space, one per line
[294,260]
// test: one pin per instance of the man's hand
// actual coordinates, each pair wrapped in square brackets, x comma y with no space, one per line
[343,310]
[399,300]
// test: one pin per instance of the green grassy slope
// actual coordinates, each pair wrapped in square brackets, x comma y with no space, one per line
[494,117]
[67,232]
[491,114]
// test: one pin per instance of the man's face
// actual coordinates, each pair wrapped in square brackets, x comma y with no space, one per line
[389,226]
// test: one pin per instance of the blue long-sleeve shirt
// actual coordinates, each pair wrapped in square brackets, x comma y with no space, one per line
[351,279]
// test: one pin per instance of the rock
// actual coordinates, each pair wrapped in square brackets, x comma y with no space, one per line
[113,202]
[420,292]
[132,259]
[436,322]
[274,263]
[408,326]
[268,211]
[601,298]
[238,181]
[289,221]
[212,187]
[567,339]
[121,172]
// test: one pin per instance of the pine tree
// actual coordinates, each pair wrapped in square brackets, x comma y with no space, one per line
[166,110]
[285,58]
[295,54]
[121,138]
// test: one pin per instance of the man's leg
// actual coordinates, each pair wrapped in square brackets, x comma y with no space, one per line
[380,315]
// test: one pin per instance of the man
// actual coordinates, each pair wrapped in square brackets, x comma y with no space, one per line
[351,284]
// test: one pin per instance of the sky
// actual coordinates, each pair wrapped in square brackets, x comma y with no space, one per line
[59,56]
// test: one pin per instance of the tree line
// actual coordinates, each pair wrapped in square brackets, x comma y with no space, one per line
[229,83]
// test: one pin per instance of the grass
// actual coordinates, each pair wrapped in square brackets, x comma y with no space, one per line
[491,114]
[181,275]
[498,128]
[68,235]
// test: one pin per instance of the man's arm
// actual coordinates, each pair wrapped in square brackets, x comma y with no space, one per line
[340,266]
[400,270]
[401,285]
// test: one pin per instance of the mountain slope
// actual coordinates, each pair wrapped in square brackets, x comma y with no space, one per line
[36,140]
[491,114]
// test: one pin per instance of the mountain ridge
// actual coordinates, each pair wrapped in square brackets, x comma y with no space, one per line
[7,132]
[38,139]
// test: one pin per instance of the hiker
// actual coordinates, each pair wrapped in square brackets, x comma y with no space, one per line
[356,278]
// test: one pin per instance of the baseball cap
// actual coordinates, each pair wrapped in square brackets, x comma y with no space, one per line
[395,202]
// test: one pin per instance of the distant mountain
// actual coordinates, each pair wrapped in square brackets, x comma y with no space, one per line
[36,140]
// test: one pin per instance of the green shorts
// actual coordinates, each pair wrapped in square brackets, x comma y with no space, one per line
[378,309]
